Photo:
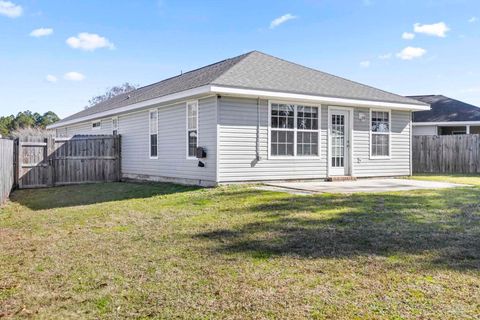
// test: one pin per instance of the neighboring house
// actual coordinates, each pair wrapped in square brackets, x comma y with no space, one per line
[257,118]
[447,116]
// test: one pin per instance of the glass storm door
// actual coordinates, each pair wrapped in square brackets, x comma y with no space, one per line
[339,143]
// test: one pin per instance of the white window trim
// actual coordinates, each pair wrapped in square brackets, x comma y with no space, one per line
[294,130]
[113,127]
[389,134]
[149,134]
[186,128]
[97,128]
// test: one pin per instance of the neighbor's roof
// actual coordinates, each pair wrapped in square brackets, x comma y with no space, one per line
[445,109]
[253,70]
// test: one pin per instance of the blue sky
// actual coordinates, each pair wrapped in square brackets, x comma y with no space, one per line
[55,55]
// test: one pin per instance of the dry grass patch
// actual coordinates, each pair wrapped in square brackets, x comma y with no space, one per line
[126,250]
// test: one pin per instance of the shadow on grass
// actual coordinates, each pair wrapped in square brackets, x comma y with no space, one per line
[80,195]
[443,226]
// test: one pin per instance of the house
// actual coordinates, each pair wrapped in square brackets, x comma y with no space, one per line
[446,117]
[254,117]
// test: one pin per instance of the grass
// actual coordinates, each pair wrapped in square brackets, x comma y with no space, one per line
[124,250]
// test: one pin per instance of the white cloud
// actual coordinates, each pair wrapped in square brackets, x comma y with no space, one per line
[10,9]
[385,56]
[89,42]
[408,35]
[278,21]
[365,64]
[51,78]
[41,32]
[410,53]
[436,29]
[73,76]
[473,19]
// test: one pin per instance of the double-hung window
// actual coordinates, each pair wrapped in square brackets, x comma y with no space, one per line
[294,130]
[380,134]
[153,135]
[96,125]
[192,128]
[115,125]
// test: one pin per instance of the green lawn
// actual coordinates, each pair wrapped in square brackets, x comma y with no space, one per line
[164,251]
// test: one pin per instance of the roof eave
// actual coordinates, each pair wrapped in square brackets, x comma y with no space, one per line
[446,123]
[248,93]
[265,94]
[136,106]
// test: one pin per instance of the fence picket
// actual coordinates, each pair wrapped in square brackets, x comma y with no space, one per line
[446,154]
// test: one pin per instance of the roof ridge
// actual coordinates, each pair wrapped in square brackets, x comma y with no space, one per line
[239,57]
[332,75]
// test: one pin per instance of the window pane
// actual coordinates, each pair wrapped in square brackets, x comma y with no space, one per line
[281,143]
[282,116]
[307,118]
[380,121]
[153,122]
[307,143]
[192,143]
[153,145]
[380,145]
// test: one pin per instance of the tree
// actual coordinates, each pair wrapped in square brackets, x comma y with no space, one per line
[110,93]
[26,120]
[47,119]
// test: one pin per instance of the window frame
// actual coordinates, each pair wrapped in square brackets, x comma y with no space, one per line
[295,131]
[96,128]
[187,104]
[389,133]
[114,128]
[150,133]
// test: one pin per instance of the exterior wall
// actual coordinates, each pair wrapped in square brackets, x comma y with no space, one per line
[85,128]
[230,125]
[172,163]
[399,162]
[237,145]
[424,130]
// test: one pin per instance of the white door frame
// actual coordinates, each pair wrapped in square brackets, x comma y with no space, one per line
[349,164]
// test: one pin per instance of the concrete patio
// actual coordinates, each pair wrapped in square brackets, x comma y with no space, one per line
[361,185]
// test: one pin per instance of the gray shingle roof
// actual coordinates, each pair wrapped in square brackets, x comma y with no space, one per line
[253,70]
[445,109]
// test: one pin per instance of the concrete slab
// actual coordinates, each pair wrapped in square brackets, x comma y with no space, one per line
[361,185]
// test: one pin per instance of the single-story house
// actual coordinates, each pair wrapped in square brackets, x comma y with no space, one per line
[447,116]
[254,117]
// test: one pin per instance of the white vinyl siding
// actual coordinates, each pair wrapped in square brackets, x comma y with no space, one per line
[425,130]
[85,128]
[399,162]
[229,124]
[237,145]
[172,163]
[238,136]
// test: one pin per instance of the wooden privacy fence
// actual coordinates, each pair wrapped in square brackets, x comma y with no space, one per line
[446,154]
[7,168]
[49,161]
